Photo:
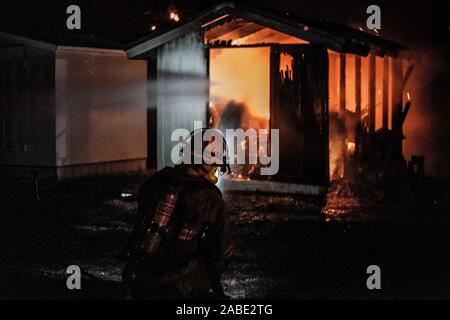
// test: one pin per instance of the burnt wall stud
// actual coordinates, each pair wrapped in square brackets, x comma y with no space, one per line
[397,101]
[386,93]
[358,103]
[342,89]
[372,92]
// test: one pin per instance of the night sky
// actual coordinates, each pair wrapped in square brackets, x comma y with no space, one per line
[422,25]
[415,23]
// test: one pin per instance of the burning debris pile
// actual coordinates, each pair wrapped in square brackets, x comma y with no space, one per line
[237,115]
[346,198]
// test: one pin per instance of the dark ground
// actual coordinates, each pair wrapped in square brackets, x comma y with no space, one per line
[287,248]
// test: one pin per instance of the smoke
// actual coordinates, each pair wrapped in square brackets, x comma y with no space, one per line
[134,94]
[338,147]
[426,128]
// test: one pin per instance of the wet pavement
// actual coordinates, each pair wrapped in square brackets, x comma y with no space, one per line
[287,247]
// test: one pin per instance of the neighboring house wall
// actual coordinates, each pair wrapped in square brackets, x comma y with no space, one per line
[101,108]
[27,126]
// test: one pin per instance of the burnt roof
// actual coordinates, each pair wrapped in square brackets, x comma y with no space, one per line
[335,36]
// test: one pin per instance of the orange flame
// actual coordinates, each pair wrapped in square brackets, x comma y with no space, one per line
[174,16]
[351,147]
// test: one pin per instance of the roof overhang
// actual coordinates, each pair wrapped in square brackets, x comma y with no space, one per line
[95,51]
[15,39]
[142,47]
[18,40]
[341,38]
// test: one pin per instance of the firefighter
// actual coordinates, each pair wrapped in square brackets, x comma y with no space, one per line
[181,240]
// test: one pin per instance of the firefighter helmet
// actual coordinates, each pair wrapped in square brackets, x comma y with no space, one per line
[207,147]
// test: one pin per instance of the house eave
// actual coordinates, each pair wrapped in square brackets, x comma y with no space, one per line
[87,50]
[28,42]
[342,40]
[143,47]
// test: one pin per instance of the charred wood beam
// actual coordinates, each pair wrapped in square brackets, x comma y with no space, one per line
[404,83]
[397,93]
[386,93]
[208,88]
[358,103]
[227,44]
[222,30]
[220,44]
[408,74]
[274,87]
[325,111]
[358,87]
[399,85]
[342,89]
[372,91]
[405,112]
[288,48]
[218,22]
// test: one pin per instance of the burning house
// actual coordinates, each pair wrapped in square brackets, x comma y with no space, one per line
[335,94]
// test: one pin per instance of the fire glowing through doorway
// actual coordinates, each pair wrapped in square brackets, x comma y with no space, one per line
[241,75]
[240,94]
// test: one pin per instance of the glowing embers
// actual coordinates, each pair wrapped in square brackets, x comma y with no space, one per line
[240,95]
[351,147]
[173,15]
